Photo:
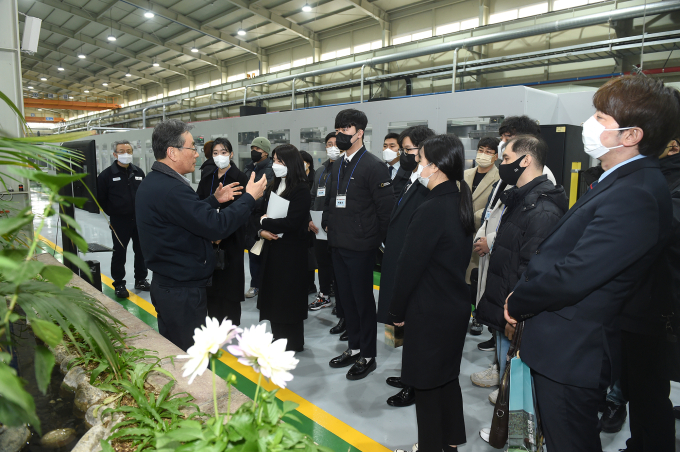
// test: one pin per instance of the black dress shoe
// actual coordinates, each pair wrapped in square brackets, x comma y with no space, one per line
[395,382]
[361,369]
[340,327]
[344,360]
[344,336]
[405,397]
[121,292]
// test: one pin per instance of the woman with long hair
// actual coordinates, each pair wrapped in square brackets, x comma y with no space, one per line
[226,292]
[431,298]
[283,291]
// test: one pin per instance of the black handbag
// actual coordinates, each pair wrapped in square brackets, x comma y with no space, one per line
[499,424]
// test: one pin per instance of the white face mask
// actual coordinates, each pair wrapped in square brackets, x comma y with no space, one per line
[592,144]
[421,179]
[222,161]
[333,152]
[125,159]
[279,170]
[389,155]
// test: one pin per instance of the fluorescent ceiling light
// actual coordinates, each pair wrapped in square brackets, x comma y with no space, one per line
[86,91]
[43,78]
[148,15]
[307,8]
[127,74]
[194,49]
[111,38]
[70,97]
[59,68]
[29,87]
[155,64]
[105,84]
[241,32]
[81,56]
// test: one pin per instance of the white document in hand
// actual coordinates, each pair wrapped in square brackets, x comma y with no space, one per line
[277,208]
[316,219]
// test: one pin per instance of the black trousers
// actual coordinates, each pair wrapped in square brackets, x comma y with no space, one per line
[569,413]
[354,275]
[324,262]
[126,228]
[440,418]
[254,264]
[180,311]
[294,332]
[646,384]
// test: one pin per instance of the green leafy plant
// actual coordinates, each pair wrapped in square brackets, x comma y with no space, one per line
[35,291]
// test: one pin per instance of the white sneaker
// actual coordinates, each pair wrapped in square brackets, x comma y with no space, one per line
[486,378]
[493,397]
[484,434]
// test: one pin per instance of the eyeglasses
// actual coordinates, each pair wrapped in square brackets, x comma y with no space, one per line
[123,152]
[487,152]
[192,149]
[408,149]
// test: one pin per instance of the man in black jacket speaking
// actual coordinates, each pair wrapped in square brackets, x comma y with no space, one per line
[176,229]
[359,200]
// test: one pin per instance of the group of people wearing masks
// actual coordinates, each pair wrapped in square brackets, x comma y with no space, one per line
[500,236]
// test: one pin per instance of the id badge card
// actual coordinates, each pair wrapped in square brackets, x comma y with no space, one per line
[341,201]
[321,191]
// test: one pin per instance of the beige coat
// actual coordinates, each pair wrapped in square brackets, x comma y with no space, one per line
[479,199]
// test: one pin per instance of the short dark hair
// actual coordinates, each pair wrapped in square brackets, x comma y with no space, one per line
[307,157]
[328,137]
[392,136]
[417,134]
[644,102]
[207,149]
[489,142]
[168,134]
[536,147]
[448,154]
[351,117]
[519,125]
[291,157]
[224,142]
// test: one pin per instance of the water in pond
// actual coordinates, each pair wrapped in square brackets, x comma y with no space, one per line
[55,408]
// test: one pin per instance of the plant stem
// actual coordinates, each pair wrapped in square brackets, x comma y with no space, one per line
[228,401]
[212,364]
[257,391]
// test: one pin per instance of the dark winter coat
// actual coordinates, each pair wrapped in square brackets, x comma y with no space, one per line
[430,293]
[262,168]
[321,179]
[400,180]
[283,271]
[403,210]
[176,228]
[208,167]
[532,211]
[117,189]
[658,294]
[228,283]
[362,224]
[572,293]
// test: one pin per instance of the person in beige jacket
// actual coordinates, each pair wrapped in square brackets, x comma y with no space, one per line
[481,180]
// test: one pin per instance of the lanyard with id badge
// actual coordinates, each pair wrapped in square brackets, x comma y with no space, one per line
[341,200]
[321,191]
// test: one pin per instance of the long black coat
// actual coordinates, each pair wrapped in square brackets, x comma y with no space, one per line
[400,180]
[284,278]
[430,293]
[574,288]
[407,203]
[532,211]
[228,284]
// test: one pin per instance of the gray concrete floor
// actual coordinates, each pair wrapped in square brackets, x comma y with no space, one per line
[359,404]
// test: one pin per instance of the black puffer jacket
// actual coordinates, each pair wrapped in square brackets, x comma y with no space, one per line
[531,213]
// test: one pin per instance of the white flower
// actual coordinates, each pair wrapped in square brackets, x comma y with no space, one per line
[207,340]
[256,349]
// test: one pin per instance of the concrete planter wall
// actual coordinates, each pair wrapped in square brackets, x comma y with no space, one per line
[87,397]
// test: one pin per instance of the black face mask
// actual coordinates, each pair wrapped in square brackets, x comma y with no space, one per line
[511,172]
[256,156]
[408,161]
[343,142]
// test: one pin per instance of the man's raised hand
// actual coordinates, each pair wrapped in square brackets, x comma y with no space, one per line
[226,193]
[256,189]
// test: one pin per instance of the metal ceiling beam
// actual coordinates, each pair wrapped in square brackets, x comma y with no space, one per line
[369,8]
[100,62]
[52,28]
[79,12]
[261,11]
[106,9]
[181,19]
[56,85]
[78,70]
[69,86]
